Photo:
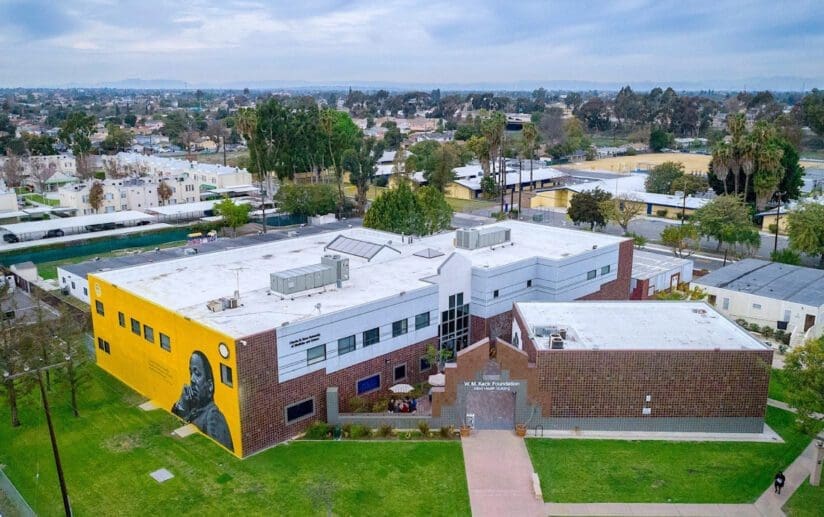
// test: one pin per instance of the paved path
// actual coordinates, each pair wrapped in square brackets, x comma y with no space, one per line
[499,475]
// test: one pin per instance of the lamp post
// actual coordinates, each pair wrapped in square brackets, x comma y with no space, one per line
[58,465]
[777,220]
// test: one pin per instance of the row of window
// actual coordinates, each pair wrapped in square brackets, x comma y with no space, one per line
[604,271]
[306,408]
[147,332]
[370,337]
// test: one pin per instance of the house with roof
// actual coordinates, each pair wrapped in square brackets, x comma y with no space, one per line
[785,297]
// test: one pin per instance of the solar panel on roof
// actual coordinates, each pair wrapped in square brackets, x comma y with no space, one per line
[355,247]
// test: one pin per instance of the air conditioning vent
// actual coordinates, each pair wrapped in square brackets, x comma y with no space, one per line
[475,238]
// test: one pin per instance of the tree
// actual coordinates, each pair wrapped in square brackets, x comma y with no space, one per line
[307,199]
[662,178]
[40,173]
[479,146]
[594,114]
[393,137]
[806,229]
[444,161]
[341,134]
[395,210]
[622,209]
[804,370]
[39,145]
[234,215]
[812,110]
[587,207]
[76,133]
[659,139]
[164,192]
[680,238]
[435,212]
[400,210]
[11,358]
[12,171]
[727,220]
[130,120]
[530,136]
[361,162]
[117,139]
[9,143]
[489,187]
[786,256]
[96,196]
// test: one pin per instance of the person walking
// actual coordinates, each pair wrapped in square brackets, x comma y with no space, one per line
[779,482]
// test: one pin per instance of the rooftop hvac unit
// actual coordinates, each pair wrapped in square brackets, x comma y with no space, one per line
[214,305]
[557,343]
[544,331]
[332,270]
[475,238]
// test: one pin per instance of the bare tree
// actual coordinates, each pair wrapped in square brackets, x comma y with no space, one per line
[96,196]
[164,192]
[40,173]
[114,169]
[84,167]
[12,171]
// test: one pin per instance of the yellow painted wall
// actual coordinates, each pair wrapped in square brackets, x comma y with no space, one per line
[151,370]
[672,212]
[552,199]
[459,191]
[769,220]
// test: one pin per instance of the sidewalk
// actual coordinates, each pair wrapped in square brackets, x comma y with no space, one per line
[770,503]
[499,475]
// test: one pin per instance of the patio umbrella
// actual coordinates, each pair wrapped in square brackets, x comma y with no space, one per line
[438,379]
[401,388]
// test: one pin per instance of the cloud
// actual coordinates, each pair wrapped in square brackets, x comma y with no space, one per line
[457,41]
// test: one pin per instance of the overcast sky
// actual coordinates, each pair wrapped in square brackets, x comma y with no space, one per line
[56,42]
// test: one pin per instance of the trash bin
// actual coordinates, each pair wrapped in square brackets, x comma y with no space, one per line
[337,432]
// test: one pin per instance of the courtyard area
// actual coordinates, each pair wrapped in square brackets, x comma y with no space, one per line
[109,451]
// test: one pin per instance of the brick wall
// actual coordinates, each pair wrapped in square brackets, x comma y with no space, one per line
[496,326]
[263,399]
[619,288]
[467,363]
[587,383]
[640,291]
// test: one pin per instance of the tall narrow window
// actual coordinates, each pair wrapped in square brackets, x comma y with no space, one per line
[98,306]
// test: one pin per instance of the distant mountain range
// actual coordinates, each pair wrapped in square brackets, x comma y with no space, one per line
[778,83]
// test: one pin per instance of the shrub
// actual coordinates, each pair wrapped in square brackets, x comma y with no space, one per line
[741,322]
[782,348]
[357,405]
[786,256]
[767,331]
[381,181]
[638,240]
[423,427]
[446,432]
[786,339]
[347,430]
[772,228]
[661,213]
[318,431]
[380,406]
[754,327]
[385,431]
[513,214]
[359,431]
[779,334]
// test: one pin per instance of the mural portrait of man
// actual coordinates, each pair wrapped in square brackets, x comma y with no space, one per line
[197,405]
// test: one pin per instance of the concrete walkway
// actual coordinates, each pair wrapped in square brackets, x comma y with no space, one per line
[499,475]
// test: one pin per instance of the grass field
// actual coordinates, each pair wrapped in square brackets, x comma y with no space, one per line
[807,501]
[48,270]
[692,162]
[778,385]
[38,198]
[577,471]
[110,450]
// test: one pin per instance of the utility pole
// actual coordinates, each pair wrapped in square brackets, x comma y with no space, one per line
[223,141]
[58,465]
[777,221]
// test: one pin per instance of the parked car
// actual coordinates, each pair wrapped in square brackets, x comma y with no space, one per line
[10,238]
[54,233]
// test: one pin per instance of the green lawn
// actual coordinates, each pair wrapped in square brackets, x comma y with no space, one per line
[577,471]
[778,385]
[38,198]
[110,450]
[468,205]
[48,270]
[807,501]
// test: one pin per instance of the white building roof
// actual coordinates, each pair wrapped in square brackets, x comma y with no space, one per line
[470,176]
[188,208]
[126,216]
[185,285]
[648,265]
[637,326]
[633,184]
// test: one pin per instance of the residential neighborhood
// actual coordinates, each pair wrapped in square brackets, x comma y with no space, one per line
[419,260]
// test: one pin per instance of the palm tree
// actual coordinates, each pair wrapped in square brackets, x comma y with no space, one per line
[530,134]
[769,174]
[736,126]
[721,156]
[247,123]
[749,150]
